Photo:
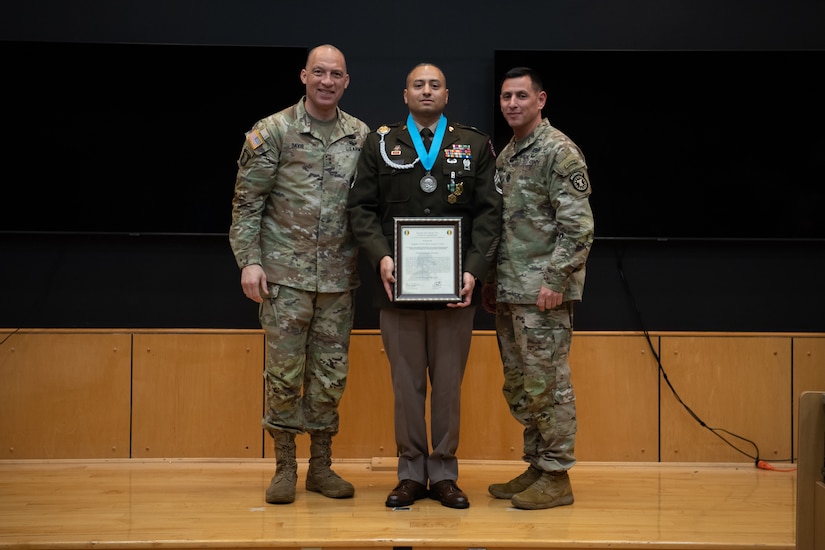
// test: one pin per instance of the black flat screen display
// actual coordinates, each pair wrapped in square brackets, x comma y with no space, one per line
[690,144]
[132,138]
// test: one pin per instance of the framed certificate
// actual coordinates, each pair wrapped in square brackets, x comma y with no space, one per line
[427,260]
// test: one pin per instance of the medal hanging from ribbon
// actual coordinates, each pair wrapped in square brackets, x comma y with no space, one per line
[428,183]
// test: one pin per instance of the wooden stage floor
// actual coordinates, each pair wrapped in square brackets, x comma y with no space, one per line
[219,504]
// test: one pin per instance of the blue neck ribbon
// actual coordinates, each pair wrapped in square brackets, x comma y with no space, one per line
[427,157]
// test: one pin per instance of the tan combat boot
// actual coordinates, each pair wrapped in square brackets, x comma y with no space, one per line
[515,485]
[320,477]
[552,489]
[282,487]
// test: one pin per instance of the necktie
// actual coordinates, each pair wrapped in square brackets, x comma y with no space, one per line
[427,137]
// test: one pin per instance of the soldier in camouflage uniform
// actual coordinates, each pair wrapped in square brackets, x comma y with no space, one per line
[291,238]
[547,232]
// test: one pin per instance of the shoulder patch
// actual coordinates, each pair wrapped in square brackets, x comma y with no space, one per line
[579,181]
[569,160]
[253,137]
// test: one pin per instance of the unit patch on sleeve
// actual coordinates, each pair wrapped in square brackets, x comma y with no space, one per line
[579,181]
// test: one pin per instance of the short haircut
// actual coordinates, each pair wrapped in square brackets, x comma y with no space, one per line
[518,72]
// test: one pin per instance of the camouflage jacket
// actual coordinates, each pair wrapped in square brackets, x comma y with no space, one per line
[289,207]
[547,223]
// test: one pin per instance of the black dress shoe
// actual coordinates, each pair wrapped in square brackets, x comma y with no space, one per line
[449,494]
[405,493]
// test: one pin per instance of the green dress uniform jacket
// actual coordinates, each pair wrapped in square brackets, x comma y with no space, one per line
[466,188]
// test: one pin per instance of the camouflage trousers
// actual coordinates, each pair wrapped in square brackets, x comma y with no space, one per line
[535,347]
[307,358]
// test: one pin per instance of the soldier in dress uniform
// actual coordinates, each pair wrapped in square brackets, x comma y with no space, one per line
[448,172]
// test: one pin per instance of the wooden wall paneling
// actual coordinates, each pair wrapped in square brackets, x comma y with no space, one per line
[615,378]
[808,374]
[366,410]
[739,384]
[64,396]
[365,425]
[488,430]
[197,395]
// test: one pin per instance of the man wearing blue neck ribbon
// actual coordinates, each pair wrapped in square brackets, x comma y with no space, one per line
[400,175]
